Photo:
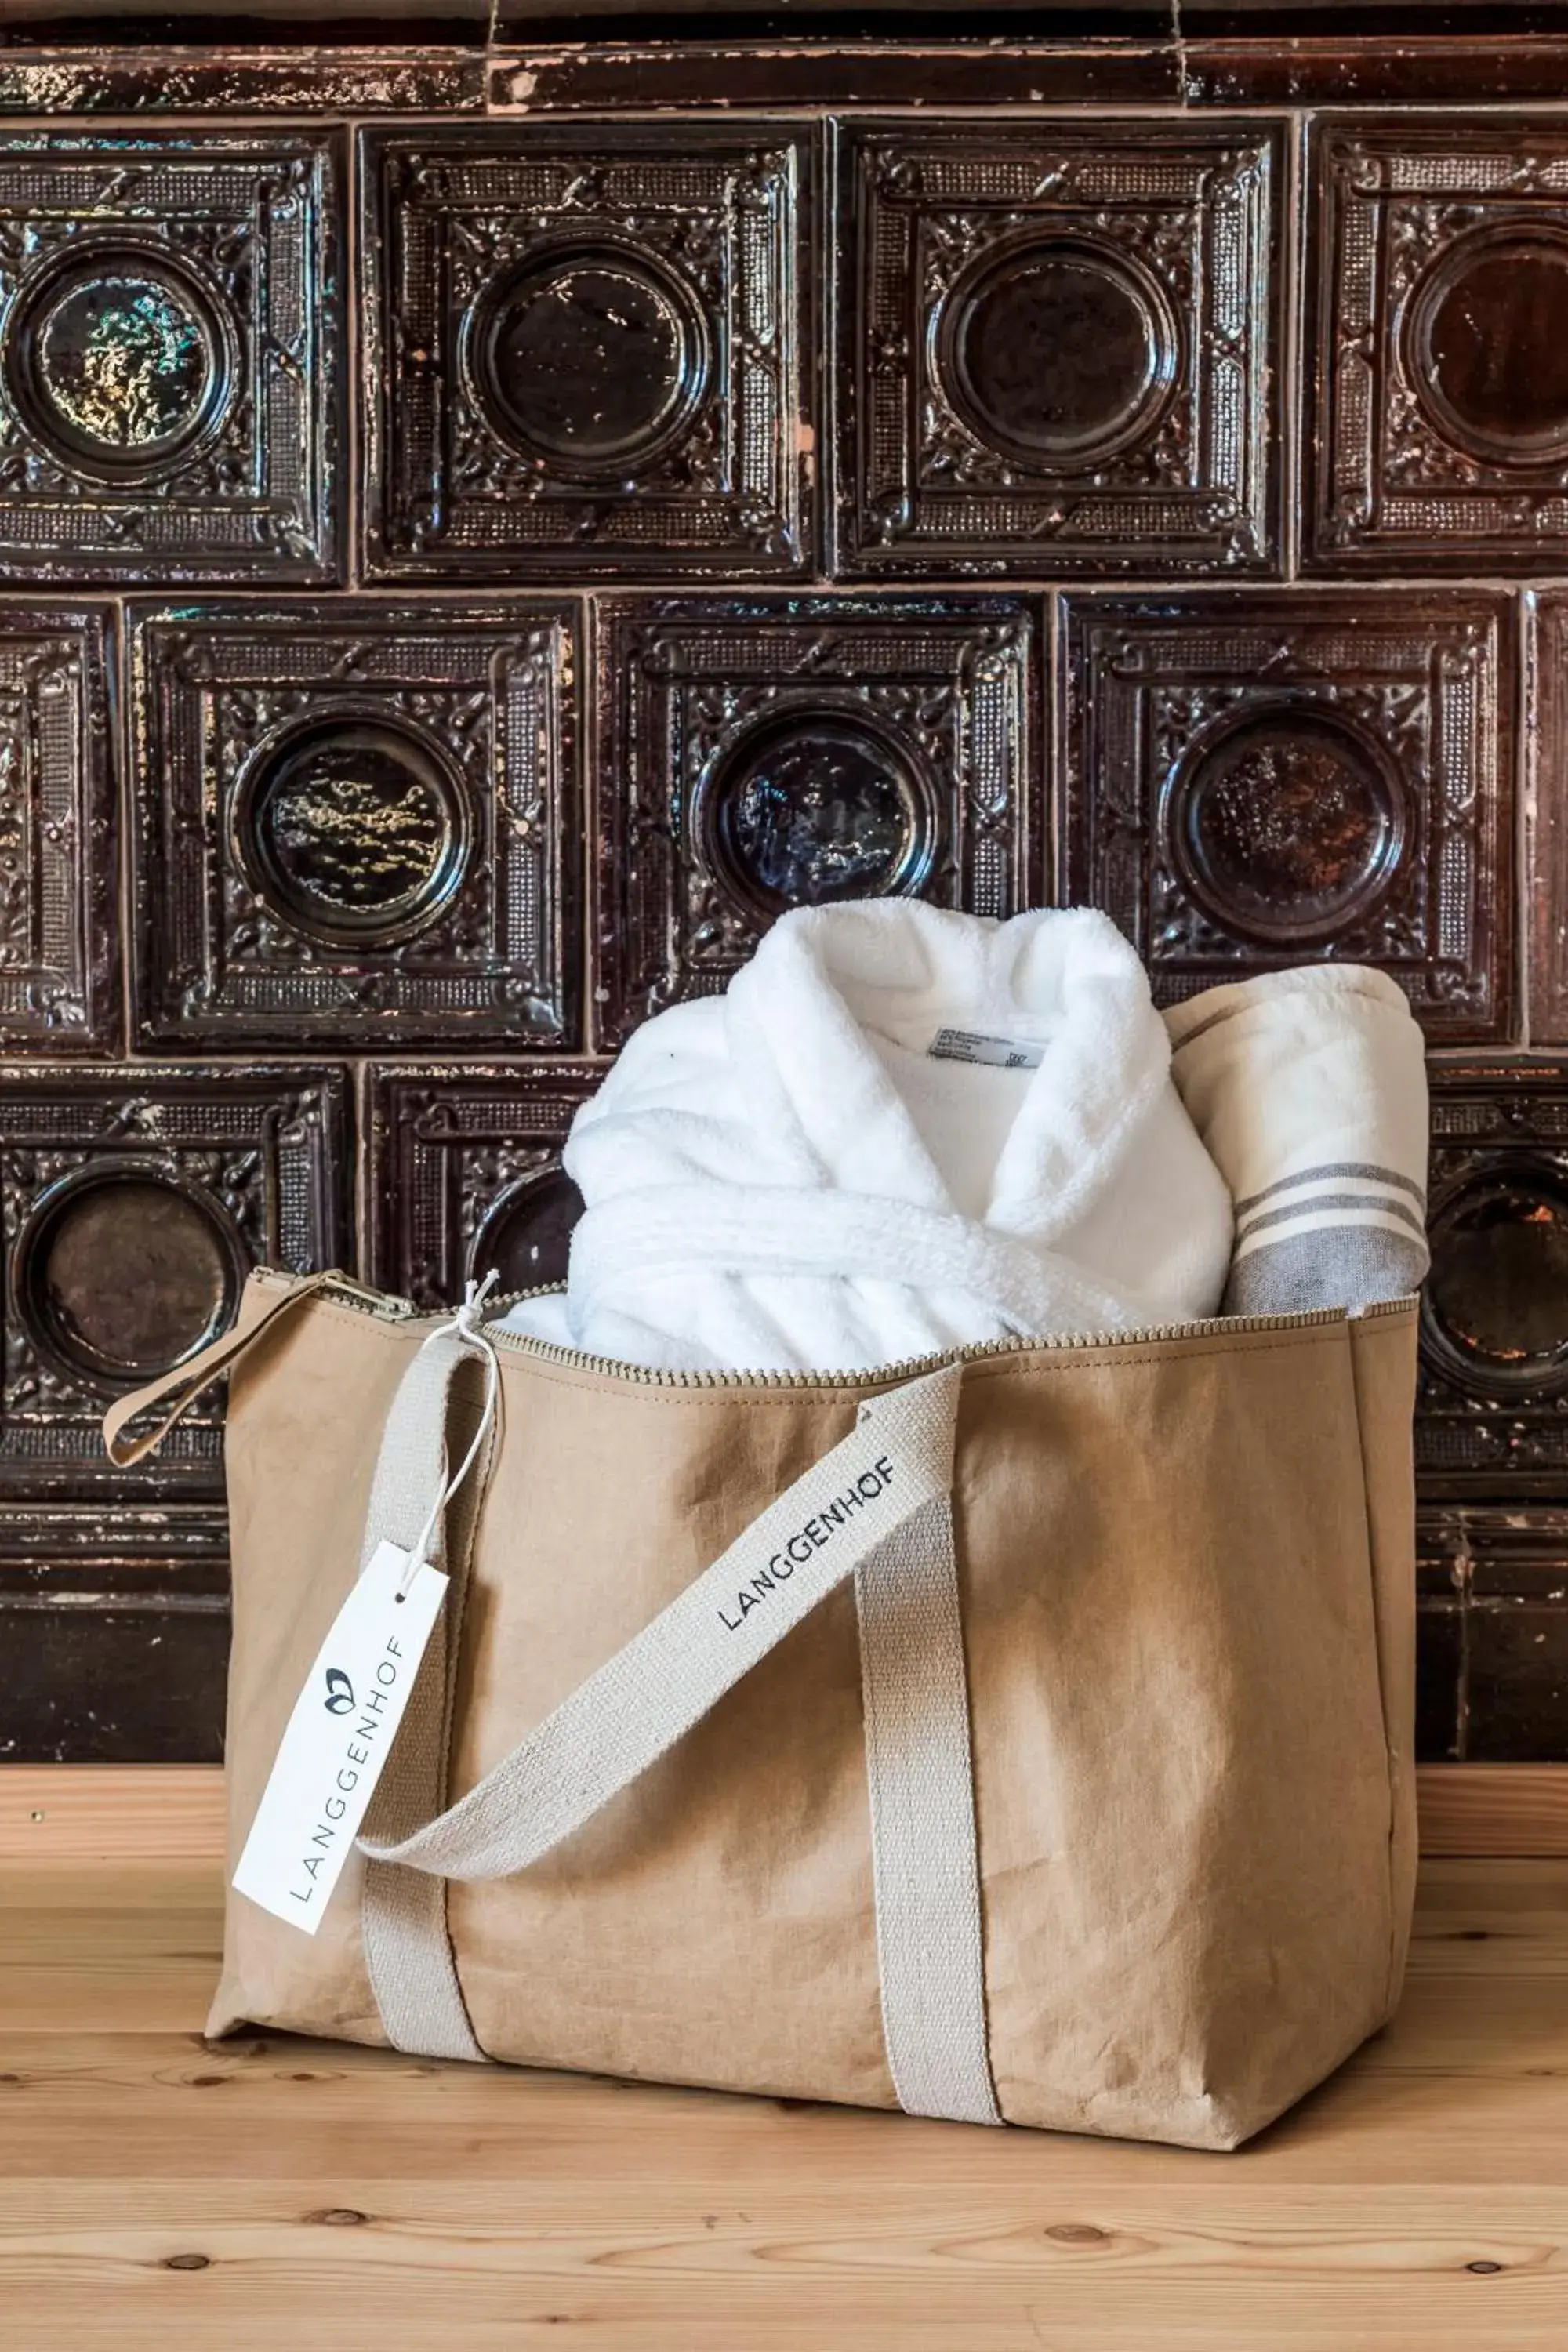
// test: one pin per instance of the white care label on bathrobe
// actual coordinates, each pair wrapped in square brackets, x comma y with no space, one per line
[338,1739]
[997,1052]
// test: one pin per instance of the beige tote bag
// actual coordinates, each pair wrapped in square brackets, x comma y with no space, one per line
[1021,1737]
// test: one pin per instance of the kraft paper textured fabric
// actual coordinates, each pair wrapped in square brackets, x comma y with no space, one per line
[1186,1587]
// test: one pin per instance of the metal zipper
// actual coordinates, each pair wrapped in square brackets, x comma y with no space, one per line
[389,1308]
[394,1310]
[383,1304]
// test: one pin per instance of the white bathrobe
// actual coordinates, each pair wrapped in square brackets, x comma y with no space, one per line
[831,1167]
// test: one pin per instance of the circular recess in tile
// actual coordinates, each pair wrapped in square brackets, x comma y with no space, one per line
[592,357]
[1487,345]
[1286,824]
[118,359]
[353,829]
[1056,352]
[122,1273]
[1496,1303]
[812,806]
[528,1230]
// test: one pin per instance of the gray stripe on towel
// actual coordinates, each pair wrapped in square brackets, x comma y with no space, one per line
[1333,1266]
[1366,1169]
[1324,1201]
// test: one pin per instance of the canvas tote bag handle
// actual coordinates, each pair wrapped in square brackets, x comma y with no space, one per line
[878,1506]
[186,1383]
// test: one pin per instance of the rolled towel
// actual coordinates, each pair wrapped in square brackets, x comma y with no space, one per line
[1309,1089]
[901,1130]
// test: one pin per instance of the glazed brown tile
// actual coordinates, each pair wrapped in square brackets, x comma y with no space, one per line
[134,1202]
[1294,20]
[95,1543]
[1492,1416]
[1492,1624]
[466,1177]
[1518,1682]
[357,824]
[1065,24]
[1549,836]
[1386,69]
[1255,780]
[1439,1675]
[169,379]
[757,754]
[152,80]
[72,25]
[1057,347]
[1445,1541]
[1439,311]
[114,1666]
[838,70]
[586,351]
[59,980]
[1516,1663]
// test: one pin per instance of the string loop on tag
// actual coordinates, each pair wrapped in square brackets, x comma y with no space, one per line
[467,1323]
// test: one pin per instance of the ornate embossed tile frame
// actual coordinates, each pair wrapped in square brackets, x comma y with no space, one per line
[757,754]
[466,1175]
[1255,781]
[1439,431]
[587,349]
[357,823]
[169,382]
[135,1201]
[59,980]
[1549,842]
[1057,348]
[1492,1413]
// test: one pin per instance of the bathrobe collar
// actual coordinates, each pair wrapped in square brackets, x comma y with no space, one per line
[823,1103]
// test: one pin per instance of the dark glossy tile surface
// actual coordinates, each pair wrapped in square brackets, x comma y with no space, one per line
[134,1202]
[1439,1681]
[114,1664]
[1440,419]
[756,755]
[1493,1623]
[357,822]
[1462,68]
[464,1175]
[226,23]
[1549,835]
[152,81]
[838,69]
[59,925]
[707,395]
[1517,1674]
[170,379]
[587,351]
[1056,348]
[1510,1569]
[1254,780]
[1492,1418]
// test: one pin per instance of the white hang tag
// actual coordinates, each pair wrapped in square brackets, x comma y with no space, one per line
[974,1045]
[338,1739]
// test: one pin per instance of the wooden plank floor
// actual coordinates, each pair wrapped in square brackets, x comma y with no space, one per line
[279,2196]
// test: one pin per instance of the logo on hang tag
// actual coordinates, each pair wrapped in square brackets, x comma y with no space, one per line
[337,1741]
